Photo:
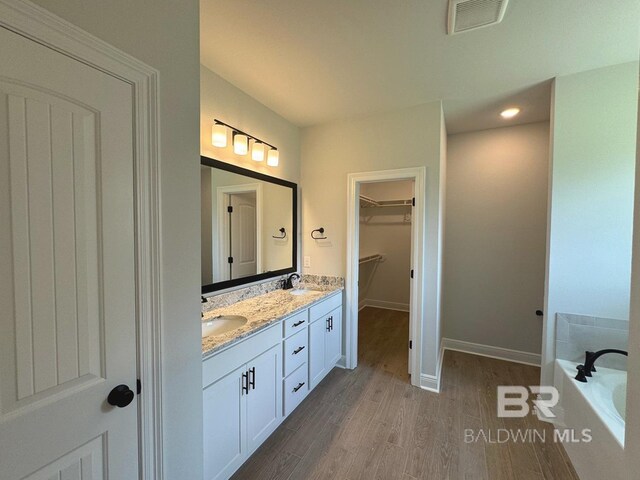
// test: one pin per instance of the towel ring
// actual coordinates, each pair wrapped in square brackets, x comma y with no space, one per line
[283,232]
[319,230]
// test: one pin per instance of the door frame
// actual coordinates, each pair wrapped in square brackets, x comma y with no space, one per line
[221,195]
[37,24]
[418,238]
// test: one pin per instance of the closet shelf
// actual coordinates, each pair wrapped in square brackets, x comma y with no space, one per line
[371,258]
[367,202]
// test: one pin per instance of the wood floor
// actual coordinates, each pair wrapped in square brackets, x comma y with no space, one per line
[370,423]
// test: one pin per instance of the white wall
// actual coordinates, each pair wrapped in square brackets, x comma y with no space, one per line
[224,101]
[165,35]
[401,138]
[632,434]
[386,231]
[591,197]
[496,222]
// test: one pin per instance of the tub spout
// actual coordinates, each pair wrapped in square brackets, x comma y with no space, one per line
[585,370]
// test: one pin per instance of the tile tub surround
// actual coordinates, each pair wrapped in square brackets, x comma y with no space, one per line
[576,334]
[313,282]
[260,311]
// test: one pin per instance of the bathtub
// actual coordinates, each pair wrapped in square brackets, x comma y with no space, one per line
[598,405]
[606,394]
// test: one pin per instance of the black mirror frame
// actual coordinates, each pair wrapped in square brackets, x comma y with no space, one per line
[214,287]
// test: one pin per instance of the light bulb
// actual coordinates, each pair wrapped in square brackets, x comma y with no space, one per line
[510,112]
[257,151]
[240,144]
[219,136]
[273,157]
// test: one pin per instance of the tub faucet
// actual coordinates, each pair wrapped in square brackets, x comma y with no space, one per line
[590,358]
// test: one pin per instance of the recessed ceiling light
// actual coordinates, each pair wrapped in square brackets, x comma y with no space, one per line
[510,112]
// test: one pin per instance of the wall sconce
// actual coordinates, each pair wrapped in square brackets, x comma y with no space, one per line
[240,141]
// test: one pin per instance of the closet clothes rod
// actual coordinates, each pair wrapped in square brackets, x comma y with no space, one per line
[370,258]
[366,202]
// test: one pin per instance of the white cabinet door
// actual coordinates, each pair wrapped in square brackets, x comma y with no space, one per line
[224,411]
[333,339]
[264,405]
[317,364]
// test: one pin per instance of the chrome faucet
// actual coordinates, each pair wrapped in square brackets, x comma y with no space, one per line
[287,284]
[590,358]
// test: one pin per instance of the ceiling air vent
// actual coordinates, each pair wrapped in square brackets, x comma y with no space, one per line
[465,15]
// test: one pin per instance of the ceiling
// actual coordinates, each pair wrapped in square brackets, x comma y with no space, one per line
[317,61]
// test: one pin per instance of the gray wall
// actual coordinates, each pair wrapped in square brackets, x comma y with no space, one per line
[591,197]
[409,137]
[494,249]
[165,35]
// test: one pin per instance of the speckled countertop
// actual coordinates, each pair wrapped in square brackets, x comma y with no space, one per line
[261,311]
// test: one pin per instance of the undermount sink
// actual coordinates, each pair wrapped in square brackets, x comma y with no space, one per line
[222,324]
[301,291]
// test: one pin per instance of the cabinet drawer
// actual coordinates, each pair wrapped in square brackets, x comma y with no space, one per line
[296,323]
[296,387]
[325,306]
[295,351]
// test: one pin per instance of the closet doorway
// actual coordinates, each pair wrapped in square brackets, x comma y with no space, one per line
[384,274]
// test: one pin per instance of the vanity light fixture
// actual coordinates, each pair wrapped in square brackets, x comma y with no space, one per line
[257,151]
[273,157]
[240,144]
[510,112]
[219,135]
[240,141]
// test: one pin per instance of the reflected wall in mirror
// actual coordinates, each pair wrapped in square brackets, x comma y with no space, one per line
[249,226]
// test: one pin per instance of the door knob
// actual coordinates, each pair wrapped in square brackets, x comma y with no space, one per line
[120,396]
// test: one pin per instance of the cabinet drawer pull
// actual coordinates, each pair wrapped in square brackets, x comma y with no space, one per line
[297,324]
[298,350]
[252,377]
[245,383]
[331,322]
[328,324]
[300,385]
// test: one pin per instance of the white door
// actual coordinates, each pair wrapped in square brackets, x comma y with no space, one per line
[317,368]
[67,291]
[223,420]
[244,235]
[263,398]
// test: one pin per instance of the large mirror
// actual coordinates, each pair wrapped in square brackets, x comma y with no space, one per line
[249,226]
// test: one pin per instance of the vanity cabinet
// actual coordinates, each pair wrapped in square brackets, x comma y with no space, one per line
[241,409]
[251,386]
[325,338]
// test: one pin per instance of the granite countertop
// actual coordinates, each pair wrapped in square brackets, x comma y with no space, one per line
[261,311]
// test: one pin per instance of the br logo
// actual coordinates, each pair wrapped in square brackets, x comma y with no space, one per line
[513,401]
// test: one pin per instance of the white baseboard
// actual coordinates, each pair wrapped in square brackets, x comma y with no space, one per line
[368,302]
[429,382]
[342,363]
[493,352]
[362,304]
